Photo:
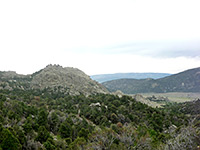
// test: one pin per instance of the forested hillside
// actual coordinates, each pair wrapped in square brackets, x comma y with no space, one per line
[37,119]
[186,81]
[108,77]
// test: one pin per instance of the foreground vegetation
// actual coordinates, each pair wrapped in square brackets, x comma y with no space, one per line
[48,120]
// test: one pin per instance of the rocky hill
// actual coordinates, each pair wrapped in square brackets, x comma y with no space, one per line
[187,81]
[108,77]
[67,80]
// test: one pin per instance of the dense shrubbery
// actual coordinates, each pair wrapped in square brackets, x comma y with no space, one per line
[44,120]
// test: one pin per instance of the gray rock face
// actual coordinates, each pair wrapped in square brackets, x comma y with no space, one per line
[10,75]
[68,80]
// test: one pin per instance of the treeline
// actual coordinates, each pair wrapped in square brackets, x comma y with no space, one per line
[48,120]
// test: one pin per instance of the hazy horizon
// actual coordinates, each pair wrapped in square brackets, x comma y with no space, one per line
[100,37]
[100,73]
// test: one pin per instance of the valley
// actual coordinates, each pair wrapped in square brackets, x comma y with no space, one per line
[109,77]
[99,75]
[62,108]
[186,81]
[177,97]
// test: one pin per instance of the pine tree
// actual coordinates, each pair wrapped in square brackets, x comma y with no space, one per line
[9,142]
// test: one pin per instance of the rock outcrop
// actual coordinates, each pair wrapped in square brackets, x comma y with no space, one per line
[67,80]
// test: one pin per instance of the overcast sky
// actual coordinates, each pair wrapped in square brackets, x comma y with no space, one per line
[100,36]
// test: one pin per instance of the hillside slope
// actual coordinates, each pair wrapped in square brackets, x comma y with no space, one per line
[53,77]
[108,77]
[186,81]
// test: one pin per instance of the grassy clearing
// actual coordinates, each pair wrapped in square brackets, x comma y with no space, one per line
[178,97]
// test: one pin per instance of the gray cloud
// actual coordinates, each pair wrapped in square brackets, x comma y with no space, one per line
[159,48]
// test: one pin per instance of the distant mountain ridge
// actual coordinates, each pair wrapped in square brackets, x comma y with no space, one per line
[57,78]
[108,77]
[186,81]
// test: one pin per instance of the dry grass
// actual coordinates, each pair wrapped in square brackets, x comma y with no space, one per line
[178,97]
